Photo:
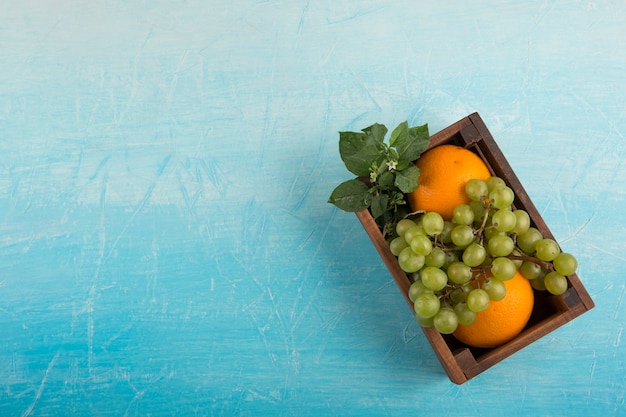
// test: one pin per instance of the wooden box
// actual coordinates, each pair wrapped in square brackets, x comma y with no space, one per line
[459,361]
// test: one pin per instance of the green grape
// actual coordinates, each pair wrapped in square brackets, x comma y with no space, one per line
[530,270]
[565,264]
[409,261]
[397,245]
[463,214]
[494,182]
[476,188]
[436,258]
[424,321]
[416,289]
[421,245]
[487,262]
[538,283]
[477,300]
[434,278]
[503,268]
[500,246]
[518,262]
[464,315]
[495,289]
[527,241]
[462,235]
[501,197]
[522,223]
[459,273]
[547,249]
[451,257]
[491,232]
[411,232]
[459,294]
[433,223]
[504,220]
[404,225]
[446,321]
[555,283]
[474,255]
[447,230]
[479,211]
[426,304]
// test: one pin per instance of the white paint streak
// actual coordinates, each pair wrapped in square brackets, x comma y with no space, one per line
[42,385]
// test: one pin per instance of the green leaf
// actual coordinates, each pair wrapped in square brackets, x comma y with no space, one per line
[379,205]
[402,164]
[406,180]
[399,134]
[411,146]
[377,132]
[359,150]
[352,195]
[385,180]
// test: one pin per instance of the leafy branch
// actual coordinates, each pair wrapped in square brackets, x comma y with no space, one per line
[385,172]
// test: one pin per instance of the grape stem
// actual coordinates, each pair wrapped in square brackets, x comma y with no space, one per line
[543,264]
[481,229]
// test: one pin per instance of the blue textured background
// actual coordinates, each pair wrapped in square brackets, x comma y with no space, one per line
[165,243]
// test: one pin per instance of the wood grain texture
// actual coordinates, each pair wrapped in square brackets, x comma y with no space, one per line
[166,245]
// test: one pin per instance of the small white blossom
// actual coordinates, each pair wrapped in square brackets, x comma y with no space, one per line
[373,176]
[392,165]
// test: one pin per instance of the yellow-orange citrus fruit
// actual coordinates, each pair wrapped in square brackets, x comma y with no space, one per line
[444,171]
[502,320]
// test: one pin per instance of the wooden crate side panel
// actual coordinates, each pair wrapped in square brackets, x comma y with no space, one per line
[443,136]
[399,276]
[445,357]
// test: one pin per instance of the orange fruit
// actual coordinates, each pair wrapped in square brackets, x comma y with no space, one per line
[502,320]
[444,171]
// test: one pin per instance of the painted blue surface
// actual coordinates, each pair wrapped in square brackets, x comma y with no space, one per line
[165,243]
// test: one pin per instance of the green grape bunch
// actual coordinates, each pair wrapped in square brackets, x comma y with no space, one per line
[458,267]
